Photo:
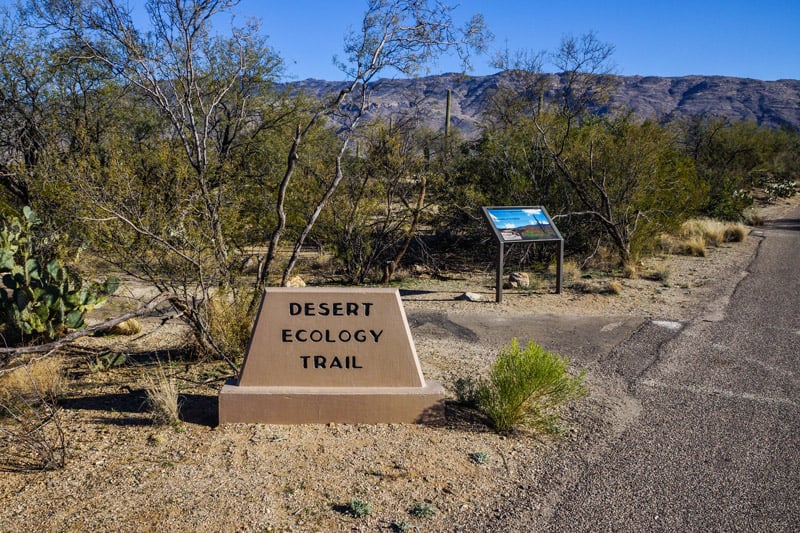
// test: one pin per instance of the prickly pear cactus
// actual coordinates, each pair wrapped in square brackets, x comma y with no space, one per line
[41,298]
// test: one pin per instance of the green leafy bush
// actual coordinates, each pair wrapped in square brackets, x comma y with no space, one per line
[40,297]
[526,385]
[358,508]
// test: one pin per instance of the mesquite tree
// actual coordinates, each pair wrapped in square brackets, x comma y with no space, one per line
[395,36]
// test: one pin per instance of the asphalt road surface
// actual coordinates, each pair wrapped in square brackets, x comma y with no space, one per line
[716,446]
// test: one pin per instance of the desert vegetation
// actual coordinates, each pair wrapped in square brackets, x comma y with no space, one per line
[172,154]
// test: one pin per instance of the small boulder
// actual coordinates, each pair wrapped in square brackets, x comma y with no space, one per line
[519,280]
[295,281]
[470,297]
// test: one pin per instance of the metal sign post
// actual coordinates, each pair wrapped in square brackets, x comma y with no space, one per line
[523,224]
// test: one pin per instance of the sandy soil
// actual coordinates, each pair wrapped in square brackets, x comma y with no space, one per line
[125,474]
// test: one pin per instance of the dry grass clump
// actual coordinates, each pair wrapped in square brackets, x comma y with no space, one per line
[753,218]
[39,379]
[697,234]
[611,286]
[735,232]
[129,327]
[659,272]
[162,398]
[229,324]
[614,287]
[31,436]
[569,270]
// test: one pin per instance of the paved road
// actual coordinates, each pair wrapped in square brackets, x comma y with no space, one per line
[716,446]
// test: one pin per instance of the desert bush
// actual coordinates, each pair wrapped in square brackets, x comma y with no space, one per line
[479,458]
[614,287]
[162,398]
[660,272]
[129,327]
[358,508]
[467,391]
[711,231]
[230,324]
[570,272]
[422,510]
[38,379]
[735,232]
[31,436]
[753,218]
[525,387]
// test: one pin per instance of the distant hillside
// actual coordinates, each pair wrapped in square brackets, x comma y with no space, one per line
[769,103]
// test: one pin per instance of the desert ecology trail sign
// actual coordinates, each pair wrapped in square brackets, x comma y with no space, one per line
[321,355]
[523,224]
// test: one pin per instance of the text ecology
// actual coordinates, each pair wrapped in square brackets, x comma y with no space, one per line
[330,335]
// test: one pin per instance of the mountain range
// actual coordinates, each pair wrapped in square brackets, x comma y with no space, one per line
[768,103]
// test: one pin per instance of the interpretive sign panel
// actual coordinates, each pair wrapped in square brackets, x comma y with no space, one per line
[331,355]
[522,224]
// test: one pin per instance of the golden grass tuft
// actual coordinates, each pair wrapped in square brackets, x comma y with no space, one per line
[695,246]
[753,218]
[735,232]
[162,398]
[129,327]
[614,287]
[229,324]
[37,380]
[569,270]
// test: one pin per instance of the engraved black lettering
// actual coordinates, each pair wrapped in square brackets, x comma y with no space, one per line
[324,309]
[376,334]
[305,359]
[366,305]
[286,335]
[315,335]
[335,363]
[309,309]
[300,335]
[295,308]
[351,309]
[319,361]
[360,335]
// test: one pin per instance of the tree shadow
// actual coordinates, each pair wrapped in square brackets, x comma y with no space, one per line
[197,409]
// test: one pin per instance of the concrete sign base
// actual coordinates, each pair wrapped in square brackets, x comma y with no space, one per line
[313,405]
[320,355]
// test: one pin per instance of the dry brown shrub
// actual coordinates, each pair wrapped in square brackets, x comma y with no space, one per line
[614,287]
[695,246]
[753,218]
[735,232]
[129,327]
[162,398]
[31,436]
[630,270]
[42,378]
[229,324]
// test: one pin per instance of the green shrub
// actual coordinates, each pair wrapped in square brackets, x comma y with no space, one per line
[40,297]
[422,510]
[526,386]
[358,508]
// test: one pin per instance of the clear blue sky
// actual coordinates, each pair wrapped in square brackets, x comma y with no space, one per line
[744,38]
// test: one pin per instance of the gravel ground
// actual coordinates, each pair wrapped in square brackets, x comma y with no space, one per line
[124,474]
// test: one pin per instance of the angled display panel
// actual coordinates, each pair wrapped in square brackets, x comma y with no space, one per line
[521,224]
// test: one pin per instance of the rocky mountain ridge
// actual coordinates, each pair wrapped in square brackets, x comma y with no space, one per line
[769,103]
